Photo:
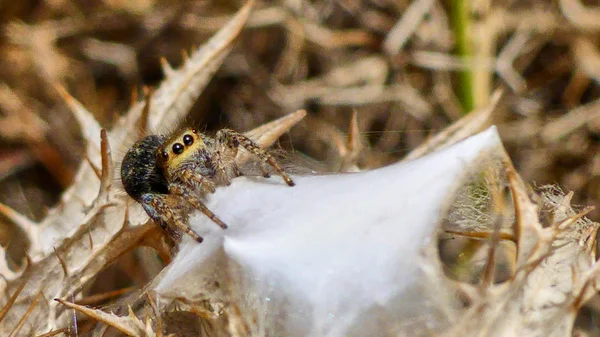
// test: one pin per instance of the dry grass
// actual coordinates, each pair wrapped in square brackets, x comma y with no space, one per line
[393,62]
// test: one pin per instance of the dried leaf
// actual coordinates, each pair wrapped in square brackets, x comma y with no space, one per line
[129,325]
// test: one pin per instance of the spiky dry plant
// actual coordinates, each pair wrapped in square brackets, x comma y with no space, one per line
[548,248]
[92,226]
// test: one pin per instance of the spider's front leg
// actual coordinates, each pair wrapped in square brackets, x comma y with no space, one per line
[189,176]
[190,196]
[233,140]
[187,181]
[165,212]
[221,168]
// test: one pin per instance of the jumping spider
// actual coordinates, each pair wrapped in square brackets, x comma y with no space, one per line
[167,175]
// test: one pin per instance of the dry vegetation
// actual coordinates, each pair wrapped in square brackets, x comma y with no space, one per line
[407,68]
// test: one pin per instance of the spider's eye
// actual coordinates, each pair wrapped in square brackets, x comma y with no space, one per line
[194,131]
[165,155]
[177,148]
[188,140]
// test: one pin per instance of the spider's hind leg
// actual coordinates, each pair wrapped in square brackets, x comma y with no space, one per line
[165,211]
[234,139]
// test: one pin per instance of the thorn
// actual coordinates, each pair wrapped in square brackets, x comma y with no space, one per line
[266,134]
[123,324]
[571,220]
[574,275]
[530,266]
[95,168]
[29,227]
[28,262]
[99,298]
[148,321]
[12,299]
[130,311]
[353,144]
[588,286]
[44,297]
[526,223]
[591,242]
[27,313]
[349,152]
[133,99]
[54,333]
[340,145]
[159,327]
[567,199]
[145,117]
[490,267]
[64,94]
[481,235]
[86,119]
[166,67]
[107,163]
[126,216]
[62,262]
[91,241]
[467,126]
[6,272]
[177,98]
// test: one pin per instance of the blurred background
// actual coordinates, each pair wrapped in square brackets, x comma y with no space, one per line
[407,68]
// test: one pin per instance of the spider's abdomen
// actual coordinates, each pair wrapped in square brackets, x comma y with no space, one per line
[140,173]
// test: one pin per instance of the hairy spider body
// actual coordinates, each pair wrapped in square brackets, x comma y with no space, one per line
[168,175]
[139,171]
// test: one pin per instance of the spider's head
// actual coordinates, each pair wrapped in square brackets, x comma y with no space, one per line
[179,149]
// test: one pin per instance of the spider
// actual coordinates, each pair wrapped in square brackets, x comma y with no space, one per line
[168,175]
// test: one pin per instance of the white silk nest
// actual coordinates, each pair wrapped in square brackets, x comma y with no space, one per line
[336,255]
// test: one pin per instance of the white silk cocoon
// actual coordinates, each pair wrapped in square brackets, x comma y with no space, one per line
[336,255]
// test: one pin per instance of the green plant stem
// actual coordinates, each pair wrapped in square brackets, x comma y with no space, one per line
[461,20]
